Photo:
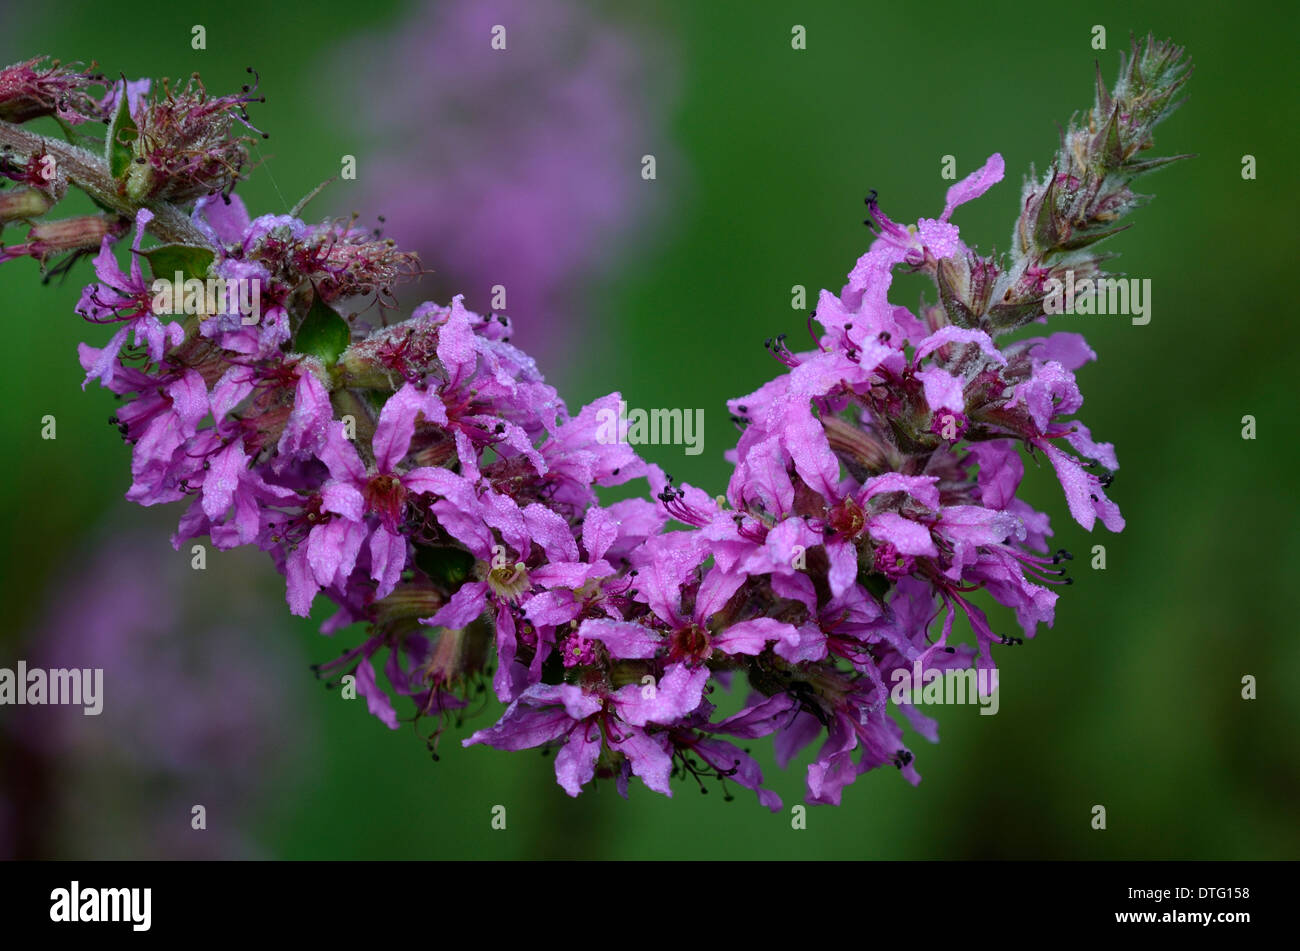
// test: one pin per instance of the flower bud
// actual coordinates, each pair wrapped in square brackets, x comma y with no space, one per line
[47,238]
[23,203]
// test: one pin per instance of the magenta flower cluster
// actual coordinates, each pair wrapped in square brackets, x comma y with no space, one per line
[424,478]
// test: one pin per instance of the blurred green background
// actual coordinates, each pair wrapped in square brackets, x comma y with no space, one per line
[1132,701]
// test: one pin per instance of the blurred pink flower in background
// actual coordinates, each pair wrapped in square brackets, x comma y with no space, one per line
[196,679]
[519,167]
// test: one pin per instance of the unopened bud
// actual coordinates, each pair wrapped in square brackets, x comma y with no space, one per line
[953,279]
[863,452]
[46,238]
[69,234]
[23,203]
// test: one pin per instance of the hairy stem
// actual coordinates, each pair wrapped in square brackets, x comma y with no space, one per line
[90,173]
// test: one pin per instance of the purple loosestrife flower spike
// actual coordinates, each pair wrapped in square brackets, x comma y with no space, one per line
[423,478]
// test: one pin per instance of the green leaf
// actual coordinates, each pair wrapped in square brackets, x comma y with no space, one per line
[1081,239]
[1046,233]
[1150,165]
[1107,141]
[167,259]
[323,334]
[122,132]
